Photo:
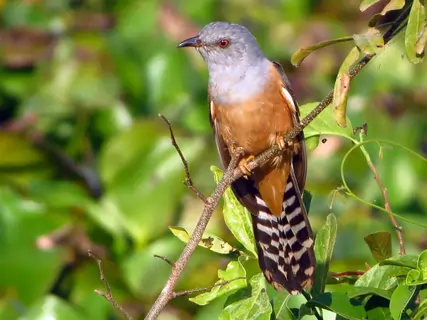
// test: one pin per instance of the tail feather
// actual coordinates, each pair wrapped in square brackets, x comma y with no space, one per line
[285,243]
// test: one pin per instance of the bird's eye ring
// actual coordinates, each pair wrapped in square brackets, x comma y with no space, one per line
[223,43]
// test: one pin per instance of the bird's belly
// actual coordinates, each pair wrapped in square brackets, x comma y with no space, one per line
[253,128]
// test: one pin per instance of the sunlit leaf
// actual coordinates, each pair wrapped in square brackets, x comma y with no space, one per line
[378,277]
[370,42]
[302,53]
[342,86]
[236,217]
[400,298]
[339,303]
[234,270]
[210,242]
[421,41]
[52,307]
[380,245]
[422,263]
[324,123]
[418,276]
[414,31]
[421,311]
[365,4]
[323,248]
[249,303]
[408,261]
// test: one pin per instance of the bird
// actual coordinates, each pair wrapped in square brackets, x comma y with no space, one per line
[252,107]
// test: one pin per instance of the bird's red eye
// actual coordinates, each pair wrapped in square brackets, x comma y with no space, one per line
[223,43]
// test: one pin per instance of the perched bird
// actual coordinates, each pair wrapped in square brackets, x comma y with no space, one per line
[251,108]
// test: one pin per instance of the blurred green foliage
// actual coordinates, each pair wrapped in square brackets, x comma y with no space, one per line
[85,163]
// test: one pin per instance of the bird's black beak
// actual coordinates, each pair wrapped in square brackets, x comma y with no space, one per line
[191,42]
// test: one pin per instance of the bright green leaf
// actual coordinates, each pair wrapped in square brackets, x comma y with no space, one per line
[421,41]
[380,245]
[236,217]
[342,86]
[339,303]
[302,53]
[210,242]
[421,311]
[251,303]
[324,123]
[234,270]
[281,310]
[422,264]
[400,299]
[377,277]
[414,277]
[408,261]
[414,31]
[323,248]
[52,307]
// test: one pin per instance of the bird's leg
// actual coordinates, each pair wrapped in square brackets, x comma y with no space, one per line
[289,145]
[243,165]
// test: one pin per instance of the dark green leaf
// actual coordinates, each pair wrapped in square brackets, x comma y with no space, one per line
[323,248]
[339,303]
[414,31]
[236,217]
[250,303]
[379,313]
[380,245]
[356,292]
[400,299]
[234,270]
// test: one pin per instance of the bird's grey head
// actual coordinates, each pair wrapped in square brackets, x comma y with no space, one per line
[225,44]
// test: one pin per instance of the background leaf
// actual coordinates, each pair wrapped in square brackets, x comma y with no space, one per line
[323,249]
[380,245]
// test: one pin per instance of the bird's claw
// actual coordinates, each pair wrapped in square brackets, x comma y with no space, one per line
[243,165]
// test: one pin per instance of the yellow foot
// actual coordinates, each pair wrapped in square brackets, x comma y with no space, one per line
[243,165]
[290,145]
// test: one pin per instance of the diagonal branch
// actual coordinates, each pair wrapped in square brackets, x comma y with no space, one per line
[232,173]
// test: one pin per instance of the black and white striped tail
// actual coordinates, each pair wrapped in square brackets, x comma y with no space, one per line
[285,243]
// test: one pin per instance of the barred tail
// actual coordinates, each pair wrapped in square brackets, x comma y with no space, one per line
[285,243]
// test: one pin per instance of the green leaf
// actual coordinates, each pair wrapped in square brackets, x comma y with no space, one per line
[370,42]
[379,313]
[281,311]
[421,311]
[236,217]
[368,291]
[234,270]
[378,277]
[302,53]
[421,41]
[249,303]
[400,299]
[342,86]
[323,248]
[408,261]
[339,303]
[324,123]
[414,31]
[52,307]
[380,245]
[418,276]
[422,264]
[210,242]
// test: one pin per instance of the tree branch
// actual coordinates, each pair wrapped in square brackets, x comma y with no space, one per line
[232,173]
[188,181]
[107,295]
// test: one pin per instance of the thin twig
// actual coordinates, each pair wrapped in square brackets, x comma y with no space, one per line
[387,206]
[188,181]
[165,260]
[192,291]
[107,295]
[232,173]
[347,273]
